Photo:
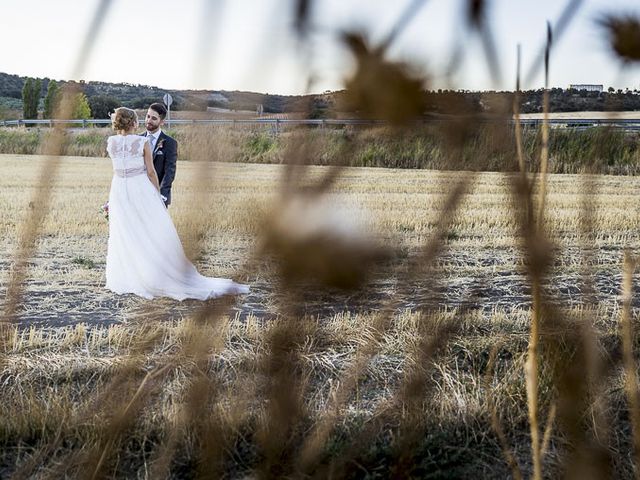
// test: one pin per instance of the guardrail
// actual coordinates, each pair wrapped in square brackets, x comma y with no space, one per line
[626,124]
[249,121]
[275,122]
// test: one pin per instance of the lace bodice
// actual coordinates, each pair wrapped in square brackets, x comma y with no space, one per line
[126,151]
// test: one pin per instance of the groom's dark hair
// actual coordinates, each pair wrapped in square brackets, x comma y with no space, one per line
[160,109]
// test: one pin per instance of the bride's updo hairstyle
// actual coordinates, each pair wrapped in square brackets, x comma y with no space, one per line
[123,119]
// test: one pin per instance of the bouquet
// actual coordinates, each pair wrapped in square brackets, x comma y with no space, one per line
[105,210]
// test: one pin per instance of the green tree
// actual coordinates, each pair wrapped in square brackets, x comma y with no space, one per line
[51,100]
[30,98]
[28,95]
[81,108]
[102,106]
[35,99]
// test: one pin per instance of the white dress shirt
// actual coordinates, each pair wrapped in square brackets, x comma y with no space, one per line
[153,139]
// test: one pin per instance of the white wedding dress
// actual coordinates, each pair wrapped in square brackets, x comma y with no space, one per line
[144,255]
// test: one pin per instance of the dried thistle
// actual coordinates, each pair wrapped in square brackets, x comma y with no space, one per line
[382,89]
[314,241]
[624,36]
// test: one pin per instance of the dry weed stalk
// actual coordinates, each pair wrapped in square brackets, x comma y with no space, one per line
[591,345]
[569,13]
[531,376]
[630,367]
[311,252]
[548,429]
[477,14]
[302,14]
[534,240]
[572,396]
[516,118]
[544,151]
[414,385]
[496,424]
[121,422]
[277,434]
[39,204]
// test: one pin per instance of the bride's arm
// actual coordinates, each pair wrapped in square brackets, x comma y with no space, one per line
[151,171]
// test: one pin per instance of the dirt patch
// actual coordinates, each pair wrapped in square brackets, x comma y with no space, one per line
[65,291]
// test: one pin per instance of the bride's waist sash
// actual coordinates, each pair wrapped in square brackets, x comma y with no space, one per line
[129,172]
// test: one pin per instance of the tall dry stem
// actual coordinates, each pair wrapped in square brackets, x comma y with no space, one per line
[420,265]
[590,341]
[30,228]
[531,375]
[532,363]
[630,367]
[544,152]
[546,438]
[516,117]
[496,424]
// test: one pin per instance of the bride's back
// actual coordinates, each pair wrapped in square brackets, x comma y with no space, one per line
[126,151]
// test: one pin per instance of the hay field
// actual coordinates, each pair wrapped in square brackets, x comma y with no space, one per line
[72,338]
[400,206]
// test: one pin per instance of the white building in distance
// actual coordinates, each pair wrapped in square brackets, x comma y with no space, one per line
[586,86]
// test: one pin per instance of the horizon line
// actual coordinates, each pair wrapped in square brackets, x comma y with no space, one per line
[605,88]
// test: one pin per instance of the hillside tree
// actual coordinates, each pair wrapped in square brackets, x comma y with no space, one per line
[37,93]
[30,98]
[51,100]
[27,93]
[81,108]
[102,105]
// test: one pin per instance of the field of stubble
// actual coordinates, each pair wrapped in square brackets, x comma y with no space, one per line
[72,337]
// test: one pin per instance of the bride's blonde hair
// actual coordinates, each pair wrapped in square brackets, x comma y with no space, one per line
[123,119]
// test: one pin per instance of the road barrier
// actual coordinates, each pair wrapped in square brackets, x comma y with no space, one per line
[276,123]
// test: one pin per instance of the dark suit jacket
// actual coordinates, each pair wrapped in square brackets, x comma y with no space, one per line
[165,155]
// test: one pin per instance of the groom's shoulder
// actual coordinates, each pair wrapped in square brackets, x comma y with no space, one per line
[169,138]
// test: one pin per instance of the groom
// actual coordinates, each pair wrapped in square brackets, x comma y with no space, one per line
[164,148]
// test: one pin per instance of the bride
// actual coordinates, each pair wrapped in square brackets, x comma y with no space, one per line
[144,255]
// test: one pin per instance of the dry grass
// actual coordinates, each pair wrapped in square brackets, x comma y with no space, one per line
[58,372]
[393,202]
[53,377]
[401,324]
[487,146]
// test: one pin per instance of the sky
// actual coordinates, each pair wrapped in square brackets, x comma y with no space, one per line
[250,45]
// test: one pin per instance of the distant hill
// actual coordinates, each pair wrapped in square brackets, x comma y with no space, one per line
[140,96]
[329,104]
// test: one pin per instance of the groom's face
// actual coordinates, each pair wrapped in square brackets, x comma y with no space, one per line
[153,121]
